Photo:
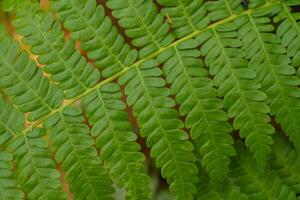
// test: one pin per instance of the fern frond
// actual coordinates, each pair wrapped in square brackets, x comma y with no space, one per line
[24,81]
[198,101]
[245,175]
[142,22]
[9,189]
[286,163]
[74,149]
[11,121]
[36,171]
[159,122]
[116,141]
[268,58]
[60,58]
[289,32]
[202,66]
[241,91]
[98,37]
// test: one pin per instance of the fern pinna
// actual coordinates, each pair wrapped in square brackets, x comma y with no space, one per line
[93,92]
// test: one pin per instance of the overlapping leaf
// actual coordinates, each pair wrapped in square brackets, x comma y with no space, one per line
[241,90]
[36,171]
[116,141]
[268,58]
[74,149]
[198,101]
[159,122]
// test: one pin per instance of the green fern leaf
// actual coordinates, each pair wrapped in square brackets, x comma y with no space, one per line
[268,58]
[60,59]
[198,100]
[24,81]
[160,124]
[36,171]
[9,188]
[74,150]
[98,37]
[242,93]
[116,141]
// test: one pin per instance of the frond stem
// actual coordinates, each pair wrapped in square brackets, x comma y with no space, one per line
[137,63]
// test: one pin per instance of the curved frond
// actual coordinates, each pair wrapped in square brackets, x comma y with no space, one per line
[286,162]
[159,122]
[9,189]
[198,101]
[74,149]
[36,171]
[24,81]
[142,22]
[116,141]
[60,58]
[241,91]
[268,58]
[98,37]
[269,186]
